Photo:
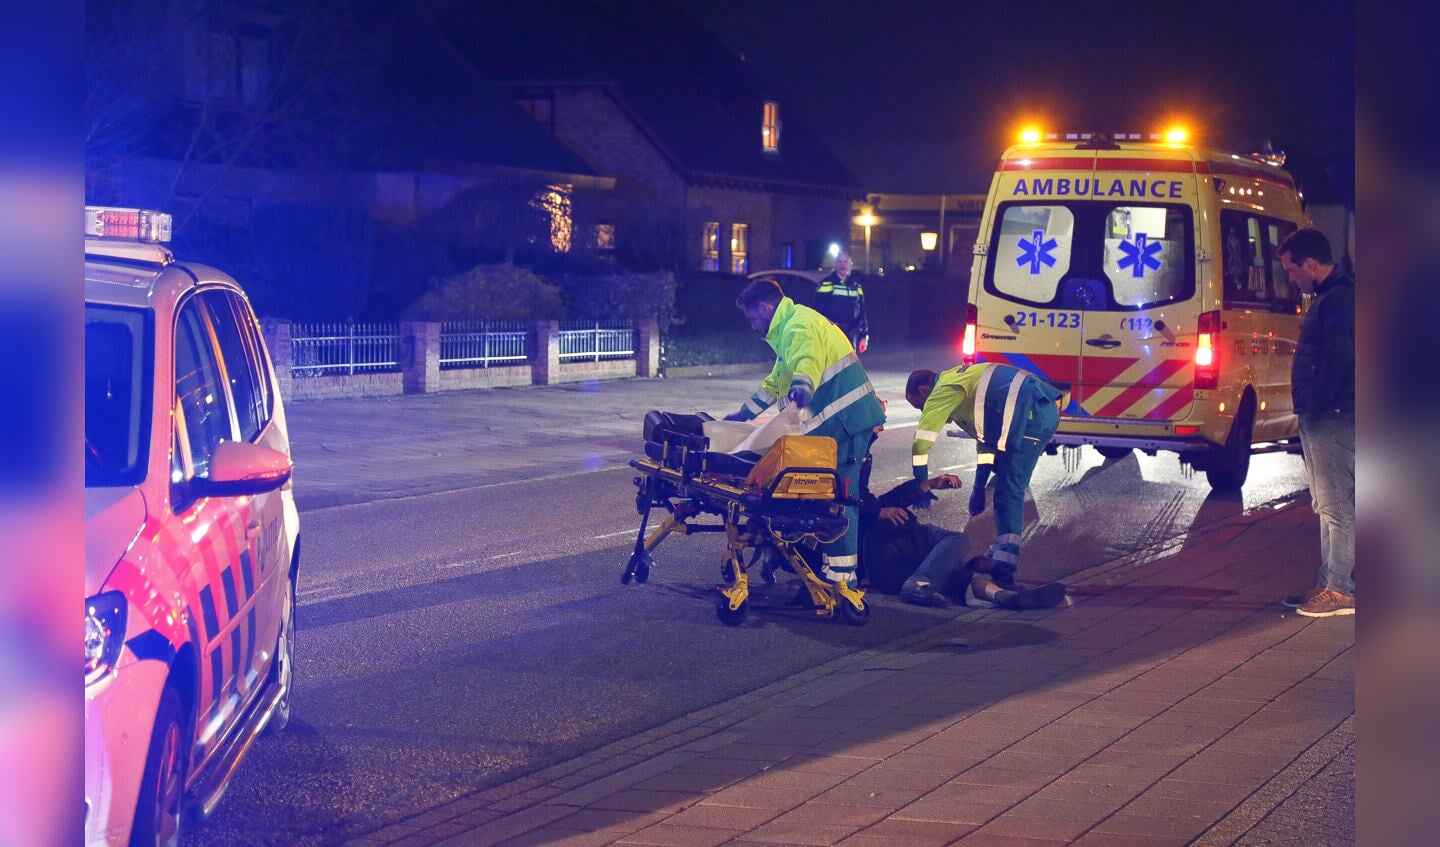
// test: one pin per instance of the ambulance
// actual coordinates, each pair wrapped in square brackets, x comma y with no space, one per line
[192,538]
[1140,275]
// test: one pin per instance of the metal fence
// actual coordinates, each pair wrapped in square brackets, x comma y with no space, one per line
[335,349]
[483,344]
[596,340]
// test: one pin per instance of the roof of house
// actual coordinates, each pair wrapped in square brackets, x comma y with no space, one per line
[699,102]
[433,109]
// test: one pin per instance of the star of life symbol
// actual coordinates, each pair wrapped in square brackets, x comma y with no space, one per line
[1139,255]
[1035,251]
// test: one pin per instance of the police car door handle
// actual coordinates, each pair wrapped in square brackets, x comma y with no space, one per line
[1105,342]
[252,529]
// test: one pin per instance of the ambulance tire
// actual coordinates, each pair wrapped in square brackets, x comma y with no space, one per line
[1229,465]
[160,809]
[284,668]
[1114,452]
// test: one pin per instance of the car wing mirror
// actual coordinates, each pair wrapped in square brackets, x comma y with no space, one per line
[239,468]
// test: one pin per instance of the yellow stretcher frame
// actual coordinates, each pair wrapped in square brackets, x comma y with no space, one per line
[752,519]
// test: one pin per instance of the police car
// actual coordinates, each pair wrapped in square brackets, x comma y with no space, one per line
[192,538]
[1140,273]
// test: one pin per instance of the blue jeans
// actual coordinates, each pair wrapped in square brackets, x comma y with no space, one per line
[1329,444]
[946,556]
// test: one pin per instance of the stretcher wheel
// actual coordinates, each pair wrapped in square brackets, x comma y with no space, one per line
[637,568]
[851,615]
[728,616]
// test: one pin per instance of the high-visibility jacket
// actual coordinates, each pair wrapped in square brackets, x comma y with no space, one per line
[843,301]
[811,351]
[1003,394]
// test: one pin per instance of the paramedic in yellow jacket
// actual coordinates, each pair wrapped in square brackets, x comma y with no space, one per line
[1012,416]
[816,368]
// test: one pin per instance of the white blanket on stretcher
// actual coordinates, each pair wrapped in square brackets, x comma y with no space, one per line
[754,436]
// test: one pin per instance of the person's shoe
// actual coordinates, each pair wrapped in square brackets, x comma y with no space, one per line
[923,594]
[1300,598]
[982,593]
[1047,596]
[1327,604]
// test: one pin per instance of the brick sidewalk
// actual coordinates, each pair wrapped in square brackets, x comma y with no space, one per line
[1174,702]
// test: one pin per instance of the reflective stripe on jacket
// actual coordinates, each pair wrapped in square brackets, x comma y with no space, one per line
[1005,394]
[811,351]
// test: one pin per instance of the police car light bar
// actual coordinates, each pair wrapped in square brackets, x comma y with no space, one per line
[141,225]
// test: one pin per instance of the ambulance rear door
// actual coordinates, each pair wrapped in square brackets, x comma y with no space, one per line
[1027,314]
[1093,272]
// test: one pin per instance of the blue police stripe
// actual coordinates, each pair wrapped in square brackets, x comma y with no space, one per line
[150,644]
[217,675]
[250,644]
[207,603]
[232,603]
[247,572]
[235,652]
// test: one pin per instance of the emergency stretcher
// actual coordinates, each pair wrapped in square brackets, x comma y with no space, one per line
[769,510]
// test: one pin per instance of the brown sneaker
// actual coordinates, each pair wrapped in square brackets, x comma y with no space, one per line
[1300,598]
[1328,603]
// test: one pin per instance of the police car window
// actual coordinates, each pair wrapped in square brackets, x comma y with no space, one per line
[1032,251]
[199,391]
[1147,255]
[118,355]
[239,358]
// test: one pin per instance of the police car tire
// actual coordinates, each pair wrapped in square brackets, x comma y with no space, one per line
[284,665]
[160,808]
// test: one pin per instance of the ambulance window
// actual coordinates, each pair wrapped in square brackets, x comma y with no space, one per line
[1147,255]
[1243,259]
[238,354]
[1032,251]
[199,391]
[1286,295]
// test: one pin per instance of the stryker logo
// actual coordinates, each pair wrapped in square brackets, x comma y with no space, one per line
[993,337]
[1161,189]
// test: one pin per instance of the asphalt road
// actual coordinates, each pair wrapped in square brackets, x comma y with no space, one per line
[461,619]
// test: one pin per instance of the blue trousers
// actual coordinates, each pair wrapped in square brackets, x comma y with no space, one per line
[1013,469]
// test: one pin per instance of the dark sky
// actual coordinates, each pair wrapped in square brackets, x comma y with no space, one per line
[922,95]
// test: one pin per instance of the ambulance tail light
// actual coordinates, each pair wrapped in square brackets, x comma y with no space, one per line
[967,343]
[1207,352]
[104,634]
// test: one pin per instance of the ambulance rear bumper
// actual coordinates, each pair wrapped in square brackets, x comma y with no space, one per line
[1149,436]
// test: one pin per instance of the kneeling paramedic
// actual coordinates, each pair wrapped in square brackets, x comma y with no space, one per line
[1012,416]
[816,369]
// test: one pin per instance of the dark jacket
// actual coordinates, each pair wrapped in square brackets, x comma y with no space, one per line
[1322,376]
[843,302]
[888,553]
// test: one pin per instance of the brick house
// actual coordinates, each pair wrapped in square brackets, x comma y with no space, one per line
[712,169]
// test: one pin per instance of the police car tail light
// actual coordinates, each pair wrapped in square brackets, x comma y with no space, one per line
[1207,354]
[140,225]
[967,343]
[104,633]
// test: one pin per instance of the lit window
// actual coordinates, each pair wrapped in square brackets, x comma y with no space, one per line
[555,202]
[787,255]
[605,236]
[710,247]
[770,126]
[739,238]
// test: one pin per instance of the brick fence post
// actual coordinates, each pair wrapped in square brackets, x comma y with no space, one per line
[546,365]
[282,354]
[421,366]
[647,351]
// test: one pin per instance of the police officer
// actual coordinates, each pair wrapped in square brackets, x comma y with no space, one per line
[1012,416]
[841,298]
[817,369]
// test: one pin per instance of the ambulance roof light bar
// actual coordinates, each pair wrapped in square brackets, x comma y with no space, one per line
[141,225]
[1174,135]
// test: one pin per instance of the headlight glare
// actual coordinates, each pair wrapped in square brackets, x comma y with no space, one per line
[104,634]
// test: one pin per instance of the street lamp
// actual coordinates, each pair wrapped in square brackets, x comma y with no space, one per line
[867,219]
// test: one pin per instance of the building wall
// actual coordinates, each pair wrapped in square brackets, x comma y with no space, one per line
[728,207]
[811,224]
